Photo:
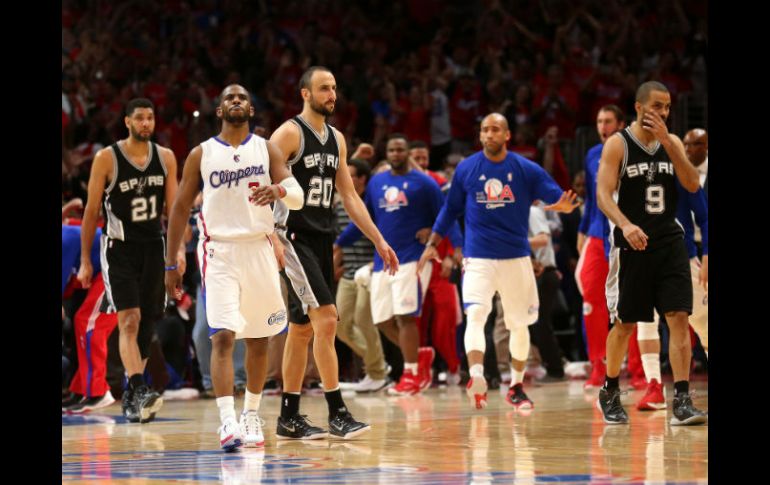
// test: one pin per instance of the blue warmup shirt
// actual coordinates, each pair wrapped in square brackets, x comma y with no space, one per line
[400,205]
[70,253]
[697,204]
[495,197]
[594,223]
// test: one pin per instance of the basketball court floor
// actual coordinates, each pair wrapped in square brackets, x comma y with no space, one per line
[433,438]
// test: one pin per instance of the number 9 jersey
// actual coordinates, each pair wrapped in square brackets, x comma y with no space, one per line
[315,168]
[647,193]
[133,200]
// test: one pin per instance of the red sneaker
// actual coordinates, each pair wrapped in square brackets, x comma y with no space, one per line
[654,398]
[408,385]
[477,392]
[425,356]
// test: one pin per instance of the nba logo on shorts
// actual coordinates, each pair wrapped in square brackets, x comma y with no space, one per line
[587,308]
[211,253]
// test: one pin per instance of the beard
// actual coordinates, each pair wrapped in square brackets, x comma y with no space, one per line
[236,118]
[321,109]
[139,137]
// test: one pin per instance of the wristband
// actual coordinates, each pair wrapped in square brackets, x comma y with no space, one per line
[170,268]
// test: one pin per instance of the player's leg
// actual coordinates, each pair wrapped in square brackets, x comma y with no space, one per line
[478,289]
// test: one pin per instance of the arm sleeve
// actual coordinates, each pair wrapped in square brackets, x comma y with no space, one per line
[545,188]
[454,205]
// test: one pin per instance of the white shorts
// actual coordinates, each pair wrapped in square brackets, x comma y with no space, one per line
[242,287]
[513,278]
[400,294]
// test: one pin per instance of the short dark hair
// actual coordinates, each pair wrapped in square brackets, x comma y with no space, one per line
[396,136]
[614,109]
[417,144]
[643,93]
[304,81]
[362,167]
[138,103]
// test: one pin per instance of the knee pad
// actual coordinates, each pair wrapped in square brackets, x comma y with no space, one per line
[518,343]
[144,336]
[474,332]
[647,331]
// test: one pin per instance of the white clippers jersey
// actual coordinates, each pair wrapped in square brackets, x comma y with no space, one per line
[228,173]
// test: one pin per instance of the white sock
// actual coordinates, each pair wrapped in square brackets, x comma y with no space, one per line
[651,366]
[411,367]
[517,376]
[477,370]
[251,401]
[226,407]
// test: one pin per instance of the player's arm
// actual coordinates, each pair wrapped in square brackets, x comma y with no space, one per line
[169,161]
[607,183]
[179,215]
[284,187]
[101,174]
[358,212]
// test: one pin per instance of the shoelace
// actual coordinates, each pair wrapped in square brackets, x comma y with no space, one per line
[249,425]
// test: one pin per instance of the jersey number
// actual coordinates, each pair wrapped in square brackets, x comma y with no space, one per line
[656,201]
[139,209]
[320,192]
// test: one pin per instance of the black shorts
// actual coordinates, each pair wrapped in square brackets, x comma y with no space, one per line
[650,280]
[134,275]
[309,272]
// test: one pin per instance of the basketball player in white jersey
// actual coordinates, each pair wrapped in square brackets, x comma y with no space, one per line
[240,174]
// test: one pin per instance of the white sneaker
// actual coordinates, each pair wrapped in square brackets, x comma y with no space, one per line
[87,405]
[230,437]
[367,384]
[251,429]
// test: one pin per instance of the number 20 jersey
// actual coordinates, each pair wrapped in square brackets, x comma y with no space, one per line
[315,168]
[647,192]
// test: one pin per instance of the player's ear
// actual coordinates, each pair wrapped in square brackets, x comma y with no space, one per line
[219,111]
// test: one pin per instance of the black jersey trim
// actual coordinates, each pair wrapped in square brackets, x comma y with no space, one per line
[323,140]
[649,151]
[149,157]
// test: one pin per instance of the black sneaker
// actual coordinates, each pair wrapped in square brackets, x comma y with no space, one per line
[70,400]
[685,413]
[298,428]
[129,408]
[344,426]
[147,403]
[517,398]
[609,404]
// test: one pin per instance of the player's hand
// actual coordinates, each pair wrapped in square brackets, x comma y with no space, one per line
[423,235]
[447,265]
[635,236]
[430,253]
[85,273]
[173,281]
[279,250]
[537,267]
[389,258]
[265,194]
[653,123]
[703,277]
[566,203]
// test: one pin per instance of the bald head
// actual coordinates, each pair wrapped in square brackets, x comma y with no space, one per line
[497,119]
[696,145]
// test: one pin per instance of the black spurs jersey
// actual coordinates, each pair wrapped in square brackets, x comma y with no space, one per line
[315,168]
[647,193]
[133,201]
